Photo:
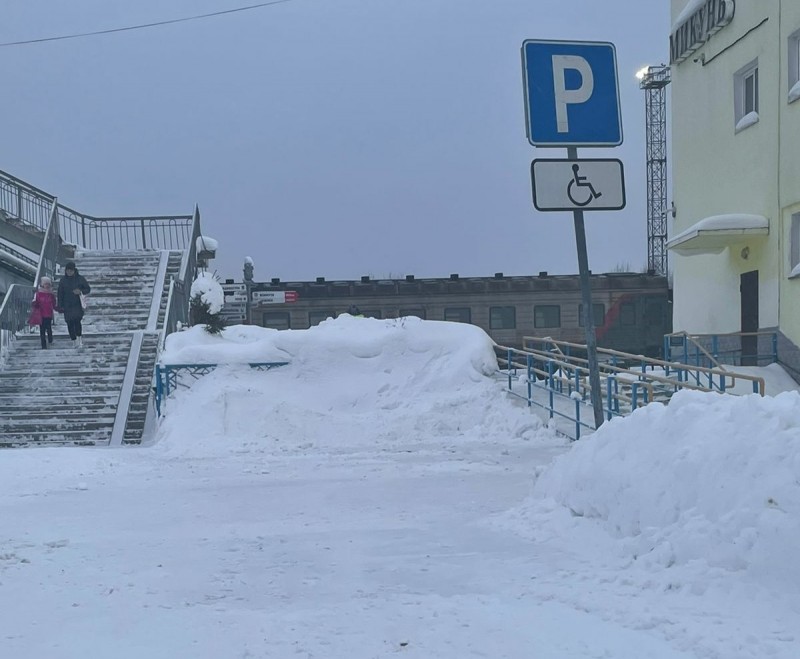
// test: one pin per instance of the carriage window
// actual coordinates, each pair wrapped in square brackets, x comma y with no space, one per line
[418,312]
[316,317]
[627,313]
[598,315]
[547,315]
[654,313]
[458,314]
[276,320]
[502,317]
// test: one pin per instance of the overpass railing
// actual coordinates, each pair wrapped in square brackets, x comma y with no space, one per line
[31,207]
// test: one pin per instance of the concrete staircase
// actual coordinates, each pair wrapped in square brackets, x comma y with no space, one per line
[98,394]
[62,395]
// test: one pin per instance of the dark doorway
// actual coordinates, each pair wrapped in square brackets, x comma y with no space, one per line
[748,290]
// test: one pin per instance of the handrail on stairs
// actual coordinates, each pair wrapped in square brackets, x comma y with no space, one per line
[51,246]
[14,312]
[728,348]
[682,371]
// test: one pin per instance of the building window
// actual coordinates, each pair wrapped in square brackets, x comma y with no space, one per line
[316,317]
[794,246]
[547,315]
[794,67]
[598,314]
[627,313]
[745,95]
[502,318]
[276,320]
[419,312]
[458,315]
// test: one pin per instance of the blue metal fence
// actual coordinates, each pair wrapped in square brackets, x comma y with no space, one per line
[714,349]
[167,376]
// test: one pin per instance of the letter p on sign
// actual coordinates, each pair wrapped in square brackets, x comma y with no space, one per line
[564,96]
[571,93]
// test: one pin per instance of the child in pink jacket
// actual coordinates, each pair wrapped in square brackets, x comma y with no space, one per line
[45,301]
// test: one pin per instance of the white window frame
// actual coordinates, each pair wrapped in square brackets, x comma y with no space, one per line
[794,66]
[794,246]
[745,114]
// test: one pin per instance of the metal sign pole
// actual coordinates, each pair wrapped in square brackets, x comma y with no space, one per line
[588,315]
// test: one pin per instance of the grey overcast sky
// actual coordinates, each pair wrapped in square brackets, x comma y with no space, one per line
[333,138]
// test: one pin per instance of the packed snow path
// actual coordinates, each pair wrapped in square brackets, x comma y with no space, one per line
[381,497]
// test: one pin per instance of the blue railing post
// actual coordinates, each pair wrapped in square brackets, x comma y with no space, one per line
[667,351]
[159,389]
[508,366]
[685,349]
[774,350]
[610,398]
[530,375]
[634,396]
[578,404]
[550,385]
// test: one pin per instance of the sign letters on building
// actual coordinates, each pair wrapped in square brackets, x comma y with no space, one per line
[692,33]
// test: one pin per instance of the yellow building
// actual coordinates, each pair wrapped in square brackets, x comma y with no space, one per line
[735,243]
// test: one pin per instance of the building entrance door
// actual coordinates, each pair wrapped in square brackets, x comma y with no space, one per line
[748,292]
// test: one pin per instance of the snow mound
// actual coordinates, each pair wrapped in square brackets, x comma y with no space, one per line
[709,478]
[348,380]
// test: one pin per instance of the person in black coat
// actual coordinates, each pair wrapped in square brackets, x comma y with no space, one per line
[70,288]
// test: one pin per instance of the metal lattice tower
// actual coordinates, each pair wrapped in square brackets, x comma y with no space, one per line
[654,83]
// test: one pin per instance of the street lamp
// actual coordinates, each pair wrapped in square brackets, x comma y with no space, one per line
[248,285]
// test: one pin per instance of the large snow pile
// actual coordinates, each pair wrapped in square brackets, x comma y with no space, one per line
[710,478]
[402,378]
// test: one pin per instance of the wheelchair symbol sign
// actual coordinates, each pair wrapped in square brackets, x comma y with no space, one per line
[573,192]
[589,184]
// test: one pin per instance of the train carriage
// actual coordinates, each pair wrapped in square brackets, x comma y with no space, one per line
[631,311]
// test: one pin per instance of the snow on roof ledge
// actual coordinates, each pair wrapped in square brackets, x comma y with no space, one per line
[713,234]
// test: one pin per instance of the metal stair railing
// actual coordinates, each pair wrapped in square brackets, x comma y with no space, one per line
[168,376]
[721,347]
[711,379]
[567,389]
[31,207]
[23,261]
[14,312]
[126,389]
[564,379]
[51,245]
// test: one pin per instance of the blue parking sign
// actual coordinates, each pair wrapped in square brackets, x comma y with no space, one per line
[571,93]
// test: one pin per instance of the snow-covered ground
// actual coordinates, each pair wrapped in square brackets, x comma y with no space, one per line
[381,496]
